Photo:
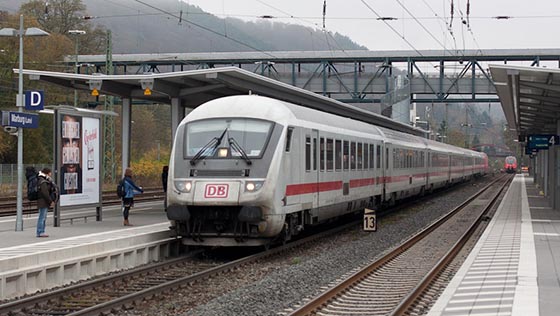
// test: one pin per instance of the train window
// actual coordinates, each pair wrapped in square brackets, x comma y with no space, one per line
[252,136]
[289,138]
[378,157]
[322,154]
[371,155]
[307,153]
[346,156]
[330,154]
[314,153]
[338,155]
[353,155]
[366,156]
[359,156]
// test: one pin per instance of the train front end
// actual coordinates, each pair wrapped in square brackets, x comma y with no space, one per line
[221,193]
[510,164]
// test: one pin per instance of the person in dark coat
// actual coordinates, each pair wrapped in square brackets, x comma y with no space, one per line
[45,201]
[164,174]
[130,190]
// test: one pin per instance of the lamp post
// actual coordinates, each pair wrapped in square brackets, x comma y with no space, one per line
[32,31]
[76,33]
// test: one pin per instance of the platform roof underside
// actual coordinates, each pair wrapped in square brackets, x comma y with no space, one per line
[530,97]
[195,87]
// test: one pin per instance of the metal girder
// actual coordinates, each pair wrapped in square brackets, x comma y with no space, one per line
[554,100]
[535,119]
[538,85]
[540,112]
[456,80]
[547,107]
[426,80]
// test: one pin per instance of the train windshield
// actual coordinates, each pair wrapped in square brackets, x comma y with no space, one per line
[250,134]
[510,160]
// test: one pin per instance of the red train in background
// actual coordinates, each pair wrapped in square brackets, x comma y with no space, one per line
[510,164]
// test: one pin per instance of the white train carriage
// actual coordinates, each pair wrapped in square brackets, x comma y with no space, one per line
[245,170]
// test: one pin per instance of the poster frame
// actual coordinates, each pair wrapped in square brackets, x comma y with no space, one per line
[59,209]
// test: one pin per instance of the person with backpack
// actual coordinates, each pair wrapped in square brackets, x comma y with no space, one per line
[32,183]
[129,190]
[47,196]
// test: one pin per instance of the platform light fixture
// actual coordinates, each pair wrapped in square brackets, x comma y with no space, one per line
[32,31]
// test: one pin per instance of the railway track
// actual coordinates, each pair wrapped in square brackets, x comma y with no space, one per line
[8,204]
[393,284]
[113,294]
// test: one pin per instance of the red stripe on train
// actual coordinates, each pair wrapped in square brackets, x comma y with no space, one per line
[305,188]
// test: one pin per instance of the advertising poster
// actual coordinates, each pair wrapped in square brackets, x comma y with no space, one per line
[80,166]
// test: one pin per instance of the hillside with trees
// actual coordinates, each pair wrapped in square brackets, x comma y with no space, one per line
[171,27]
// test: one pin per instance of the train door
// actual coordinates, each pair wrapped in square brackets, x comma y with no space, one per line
[309,185]
[385,167]
[292,163]
[315,173]
[426,167]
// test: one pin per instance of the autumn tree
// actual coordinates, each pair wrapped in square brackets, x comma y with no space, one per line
[61,16]
[41,53]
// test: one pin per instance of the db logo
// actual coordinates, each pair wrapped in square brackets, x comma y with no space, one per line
[216,191]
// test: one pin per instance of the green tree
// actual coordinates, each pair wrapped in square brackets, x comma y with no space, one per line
[61,16]
[456,138]
[475,140]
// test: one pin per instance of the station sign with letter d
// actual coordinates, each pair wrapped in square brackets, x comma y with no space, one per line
[34,100]
[370,220]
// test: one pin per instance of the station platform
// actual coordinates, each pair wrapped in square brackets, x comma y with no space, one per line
[80,248]
[514,268]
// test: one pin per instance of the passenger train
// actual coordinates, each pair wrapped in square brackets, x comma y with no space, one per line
[510,164]
[250,170]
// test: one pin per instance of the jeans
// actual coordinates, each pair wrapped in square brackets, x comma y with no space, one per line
[41,220]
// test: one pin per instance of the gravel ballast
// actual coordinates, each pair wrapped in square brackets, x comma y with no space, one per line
[275,286]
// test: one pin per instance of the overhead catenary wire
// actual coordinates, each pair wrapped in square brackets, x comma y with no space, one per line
[448,28]
[206,29]
[424,27]
[325,30]
[392,28]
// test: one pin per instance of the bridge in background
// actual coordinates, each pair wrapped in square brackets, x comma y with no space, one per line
[386,77]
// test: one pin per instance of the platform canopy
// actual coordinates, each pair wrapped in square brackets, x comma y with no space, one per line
[530,97]
[195,87]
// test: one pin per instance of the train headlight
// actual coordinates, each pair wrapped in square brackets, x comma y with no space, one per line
[223,152]
[183,186]
[253,186]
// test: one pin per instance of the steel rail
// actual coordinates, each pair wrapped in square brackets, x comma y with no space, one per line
[23,304]
[322,299]
[409,300]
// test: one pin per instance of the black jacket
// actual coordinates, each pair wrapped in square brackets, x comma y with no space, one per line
[44,192]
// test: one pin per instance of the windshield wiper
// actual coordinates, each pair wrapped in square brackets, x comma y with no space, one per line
[233,144]
[213,143]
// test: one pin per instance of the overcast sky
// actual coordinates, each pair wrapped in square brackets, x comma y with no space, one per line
[420,24]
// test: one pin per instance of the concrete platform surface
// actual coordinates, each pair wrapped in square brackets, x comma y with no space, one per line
[515,267]
[80,248]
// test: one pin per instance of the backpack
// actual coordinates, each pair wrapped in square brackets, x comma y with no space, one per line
[53,189]
[120,188]
[33,187]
